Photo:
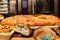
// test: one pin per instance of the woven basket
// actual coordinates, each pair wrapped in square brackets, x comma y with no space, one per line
[6,36]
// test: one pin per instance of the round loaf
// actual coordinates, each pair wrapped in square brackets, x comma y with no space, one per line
[44,33]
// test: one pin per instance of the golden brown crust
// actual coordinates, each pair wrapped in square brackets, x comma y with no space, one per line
[42,32]
[31,20]
[49,18]
[24,19]
[41,22]
[8,21]
[6,28]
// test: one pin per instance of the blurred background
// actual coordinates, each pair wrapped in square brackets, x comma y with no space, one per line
[14,7]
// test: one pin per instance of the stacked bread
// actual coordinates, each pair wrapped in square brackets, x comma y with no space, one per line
[24,24]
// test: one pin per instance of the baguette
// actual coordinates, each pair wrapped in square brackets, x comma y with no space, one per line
[31,20]
[49,18]
[8,21]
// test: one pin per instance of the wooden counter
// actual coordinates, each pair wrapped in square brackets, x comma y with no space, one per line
[20,38]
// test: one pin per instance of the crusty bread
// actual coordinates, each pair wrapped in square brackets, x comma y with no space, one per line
[49,18]
[6,28]
[31,20]
[43,32]
[9,21]
[23,29]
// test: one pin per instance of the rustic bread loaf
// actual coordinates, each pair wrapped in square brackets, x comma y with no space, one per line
[44,33]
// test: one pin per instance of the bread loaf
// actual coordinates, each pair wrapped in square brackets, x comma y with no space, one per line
[31,20]
[44,34]
[23,29]
[24,23]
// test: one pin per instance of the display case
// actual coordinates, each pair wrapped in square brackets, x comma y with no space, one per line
[46,7]
[30,7]
[38,7]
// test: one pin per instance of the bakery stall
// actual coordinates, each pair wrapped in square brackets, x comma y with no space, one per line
[29,20]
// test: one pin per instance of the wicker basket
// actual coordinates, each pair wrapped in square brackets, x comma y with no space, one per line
[6,36]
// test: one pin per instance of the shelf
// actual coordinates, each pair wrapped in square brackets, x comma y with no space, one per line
[3,2]
[3,5]
[3,12]
[3,9]
[46,12]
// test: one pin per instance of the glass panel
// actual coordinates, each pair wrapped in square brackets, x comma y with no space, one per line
[44,6]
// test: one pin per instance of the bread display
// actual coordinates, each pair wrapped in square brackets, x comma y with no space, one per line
[39,26]
[44,34]
[31,20]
